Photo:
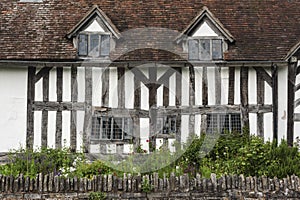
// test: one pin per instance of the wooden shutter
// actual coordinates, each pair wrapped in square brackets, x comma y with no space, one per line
[105,45]
[94,45]
[83,45]
[205,49]
[217,52]
[193,49]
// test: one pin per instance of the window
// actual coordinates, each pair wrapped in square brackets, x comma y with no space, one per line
[110,128]
[220,123]
[205,49]
[166,125]
[93,44]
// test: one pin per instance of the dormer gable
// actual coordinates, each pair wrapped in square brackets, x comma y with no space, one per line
[95,35]
[89,21]
[205,38]
[206,22]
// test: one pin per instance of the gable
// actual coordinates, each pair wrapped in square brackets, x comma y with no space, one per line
[94,27]
[204,30]
[95,20]
[206,24]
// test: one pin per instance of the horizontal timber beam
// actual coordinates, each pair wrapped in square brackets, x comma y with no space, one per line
[57,106]
[180,63]
[182,110]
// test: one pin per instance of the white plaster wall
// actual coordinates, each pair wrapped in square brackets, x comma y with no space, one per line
[13,104]
[211,85]
[129,92]
[198,85]
[282,101]
[252,86]
[113,87]
[172,90]
[224,85]
[253,123]
[237,85]
[97,86]
[268,126]
[185,89]
[198,125]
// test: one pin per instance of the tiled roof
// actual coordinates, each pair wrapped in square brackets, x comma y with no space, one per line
[262,29]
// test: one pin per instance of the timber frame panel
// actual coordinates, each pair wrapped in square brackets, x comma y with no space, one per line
[152,83]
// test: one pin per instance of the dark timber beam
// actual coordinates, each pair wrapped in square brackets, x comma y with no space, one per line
[105,88]
[244,96]
[121,87]
[291,98]
[44,128]
[30,111]
[265,76]
[87,126]
[192,99]
[260,95]
[43,72]
[178,79]
[275,101]
[59,92]
[74,99]
[231,86]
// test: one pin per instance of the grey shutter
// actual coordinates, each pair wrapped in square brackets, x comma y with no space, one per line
[193,49]
[105,45]
[82,45]
[205,53]
[94,45]
[217,52]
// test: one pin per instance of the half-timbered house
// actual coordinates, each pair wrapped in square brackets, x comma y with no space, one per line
[105,74]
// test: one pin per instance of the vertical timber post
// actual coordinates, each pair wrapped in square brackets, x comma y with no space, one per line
[192,100]
[121,87]
[30,111]
[231,86]
[74,99]
[275,101]
[44,130]
[291,98]
[178,78]
[204,98]
[244,97]
[59,92]
[88,108]
[260,101]
[137,106]
[153,103]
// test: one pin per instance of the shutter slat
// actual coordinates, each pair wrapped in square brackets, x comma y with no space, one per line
[105,45]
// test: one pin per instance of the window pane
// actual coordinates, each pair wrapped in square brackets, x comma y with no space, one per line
[236,123]
[94,45]
[106,128]
[205,49]
[193,49]
[105,45]
[82,45]
[159,125]
[128,128]
[217,52]
[117,129]
[95,128]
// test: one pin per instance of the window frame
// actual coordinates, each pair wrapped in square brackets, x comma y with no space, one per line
[97,135]
[220,130]
[88,44]
[211,39]
[161,129]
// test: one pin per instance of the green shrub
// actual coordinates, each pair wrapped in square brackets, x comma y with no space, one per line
[45,160]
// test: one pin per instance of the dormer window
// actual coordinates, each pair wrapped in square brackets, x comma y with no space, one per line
[205,49]
[205,38]
[95,35]
[93,44]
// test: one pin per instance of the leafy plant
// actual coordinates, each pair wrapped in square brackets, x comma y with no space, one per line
[97,196]
[146,186]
